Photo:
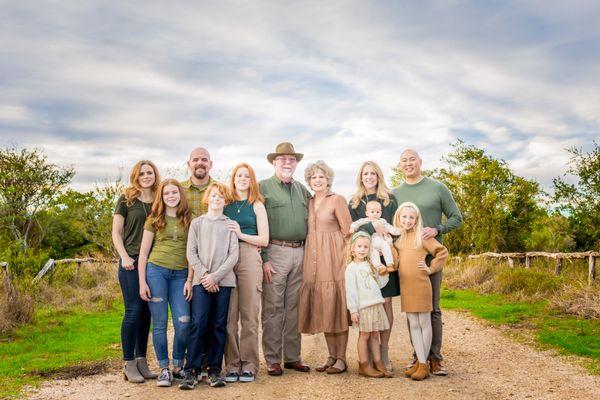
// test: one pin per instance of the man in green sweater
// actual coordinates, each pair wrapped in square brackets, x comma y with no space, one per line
[433,199]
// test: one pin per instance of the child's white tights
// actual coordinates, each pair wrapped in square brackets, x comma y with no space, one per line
[420,333]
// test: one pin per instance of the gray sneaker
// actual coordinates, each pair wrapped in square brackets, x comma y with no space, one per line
[215,380]
[247,376]
[231,377]
[165,379]
[189,380]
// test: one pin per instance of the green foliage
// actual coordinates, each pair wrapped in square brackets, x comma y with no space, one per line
[580,201]
[527,281]
[77,223]
[28,183]
[22,261]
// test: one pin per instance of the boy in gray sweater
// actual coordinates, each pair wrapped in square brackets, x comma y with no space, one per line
[212,252]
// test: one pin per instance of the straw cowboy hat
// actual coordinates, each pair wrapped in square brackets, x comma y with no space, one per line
[284,149]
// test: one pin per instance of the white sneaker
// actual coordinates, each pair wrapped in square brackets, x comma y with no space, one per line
[165,379]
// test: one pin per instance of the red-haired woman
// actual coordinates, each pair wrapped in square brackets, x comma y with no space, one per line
[130,214]
[250,224]
[163,274]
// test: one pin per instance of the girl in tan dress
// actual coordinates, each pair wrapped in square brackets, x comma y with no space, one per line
[322,302]
[415,286]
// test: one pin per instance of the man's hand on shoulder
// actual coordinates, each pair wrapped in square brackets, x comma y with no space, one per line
[429,233]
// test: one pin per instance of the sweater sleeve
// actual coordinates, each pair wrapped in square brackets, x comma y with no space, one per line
[233,253]
[192,250]
[451,211]
[439,253]
[351,288]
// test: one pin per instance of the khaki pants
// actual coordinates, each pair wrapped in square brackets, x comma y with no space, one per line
[280,305]
[241,351]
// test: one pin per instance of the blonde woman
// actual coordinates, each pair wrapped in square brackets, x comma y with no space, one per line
[131,211]
[250,224]
[370,186]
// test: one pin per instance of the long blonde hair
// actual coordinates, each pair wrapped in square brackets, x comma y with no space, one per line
[383,192]
[350,245]
[418,228]
[134,190]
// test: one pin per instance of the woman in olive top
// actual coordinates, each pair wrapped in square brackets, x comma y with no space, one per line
[130,214]
[370,185]
[250,224]
[163,274]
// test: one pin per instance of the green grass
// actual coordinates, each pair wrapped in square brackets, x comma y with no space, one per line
[568,334]
[56,342]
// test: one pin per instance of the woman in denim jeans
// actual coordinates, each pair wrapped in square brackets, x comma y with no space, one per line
[130,214]
[163,273]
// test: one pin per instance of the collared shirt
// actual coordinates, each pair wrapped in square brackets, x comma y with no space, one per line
[194,196]
[287,209]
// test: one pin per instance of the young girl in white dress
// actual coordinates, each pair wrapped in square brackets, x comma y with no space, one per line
[365,303]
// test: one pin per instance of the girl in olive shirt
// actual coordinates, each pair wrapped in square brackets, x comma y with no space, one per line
[163,274]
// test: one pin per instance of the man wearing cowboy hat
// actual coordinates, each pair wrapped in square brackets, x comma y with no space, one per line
[286,202]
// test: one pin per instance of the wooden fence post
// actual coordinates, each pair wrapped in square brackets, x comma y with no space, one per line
[591,269]
[511,262]
[527,262]
[558,268]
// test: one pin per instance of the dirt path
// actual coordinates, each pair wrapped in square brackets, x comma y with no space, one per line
[483,364]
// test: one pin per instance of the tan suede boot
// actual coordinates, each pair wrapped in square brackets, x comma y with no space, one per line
[421,373]
[411,370]
[380,366]
[366,369]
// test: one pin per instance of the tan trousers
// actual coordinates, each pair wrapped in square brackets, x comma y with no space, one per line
[241,351]
[280,305]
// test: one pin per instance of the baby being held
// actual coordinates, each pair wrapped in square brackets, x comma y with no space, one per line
[380,244]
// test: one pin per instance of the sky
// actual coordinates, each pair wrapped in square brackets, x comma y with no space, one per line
[99,84]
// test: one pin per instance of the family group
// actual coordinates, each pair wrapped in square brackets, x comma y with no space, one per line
[224,258]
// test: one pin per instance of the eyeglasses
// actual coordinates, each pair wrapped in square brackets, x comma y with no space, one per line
[284,159]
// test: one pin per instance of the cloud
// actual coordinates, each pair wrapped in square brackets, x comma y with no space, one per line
[100,85]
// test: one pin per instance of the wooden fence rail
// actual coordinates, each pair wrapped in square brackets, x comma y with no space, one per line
[558,257]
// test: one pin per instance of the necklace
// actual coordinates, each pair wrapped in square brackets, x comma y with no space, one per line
[239,208]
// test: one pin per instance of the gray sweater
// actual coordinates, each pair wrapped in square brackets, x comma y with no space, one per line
[212,249]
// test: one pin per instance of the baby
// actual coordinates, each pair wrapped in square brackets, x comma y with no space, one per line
[380,244]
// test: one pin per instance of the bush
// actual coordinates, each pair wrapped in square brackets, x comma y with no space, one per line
[16,307]
[527,281]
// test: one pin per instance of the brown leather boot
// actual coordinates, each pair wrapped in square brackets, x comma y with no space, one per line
[421,373]
[411,370]
[380,366]
[366,369]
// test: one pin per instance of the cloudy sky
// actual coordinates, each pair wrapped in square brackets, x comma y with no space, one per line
[101,84]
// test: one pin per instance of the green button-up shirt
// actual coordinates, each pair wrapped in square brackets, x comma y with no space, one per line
[194,196]
[287,209]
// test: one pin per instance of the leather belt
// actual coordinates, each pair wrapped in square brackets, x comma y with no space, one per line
[287,244]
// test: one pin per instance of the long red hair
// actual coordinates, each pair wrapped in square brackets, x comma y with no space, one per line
[134,190]
[253,190]
[159,208]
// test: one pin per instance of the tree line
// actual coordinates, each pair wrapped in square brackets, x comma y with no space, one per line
[41,217]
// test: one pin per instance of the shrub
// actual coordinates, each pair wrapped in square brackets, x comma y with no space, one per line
[527,281]
[16,307]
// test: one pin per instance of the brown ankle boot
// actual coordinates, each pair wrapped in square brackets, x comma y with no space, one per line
[411,370]
[421,373]
[380,366]
[366,369]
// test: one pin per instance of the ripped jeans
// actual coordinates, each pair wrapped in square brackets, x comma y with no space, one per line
[166,287]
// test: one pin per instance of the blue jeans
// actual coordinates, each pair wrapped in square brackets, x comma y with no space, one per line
[166,287]
[135,326]
[209,320]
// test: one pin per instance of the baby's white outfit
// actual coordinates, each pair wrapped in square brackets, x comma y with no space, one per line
[378,243]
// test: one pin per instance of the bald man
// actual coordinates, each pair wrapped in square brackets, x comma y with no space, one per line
[199,165]
[434,200]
